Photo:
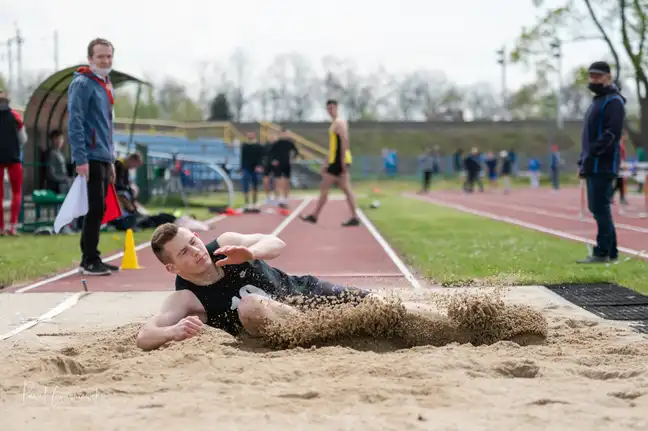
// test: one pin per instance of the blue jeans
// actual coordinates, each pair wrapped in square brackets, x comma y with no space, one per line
[599,196]
[250,179]
[554,178]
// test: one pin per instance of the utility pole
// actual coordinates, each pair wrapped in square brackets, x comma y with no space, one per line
[56,51]
[556,52]
[19,42]
[501,60]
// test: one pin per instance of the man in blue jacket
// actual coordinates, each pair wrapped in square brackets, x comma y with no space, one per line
[600,155]
[90,128]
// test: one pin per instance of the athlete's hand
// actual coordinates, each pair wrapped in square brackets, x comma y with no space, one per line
[259,169]
[234,255]
[186,328]
[275,163]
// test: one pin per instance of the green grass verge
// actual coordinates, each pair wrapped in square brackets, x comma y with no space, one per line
[454,248]
[400,185]
[29,257]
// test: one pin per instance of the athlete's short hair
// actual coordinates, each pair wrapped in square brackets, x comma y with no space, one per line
[331,102]
[160,238]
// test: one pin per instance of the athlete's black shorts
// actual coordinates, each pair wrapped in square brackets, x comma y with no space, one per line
[335,169]
[282,170]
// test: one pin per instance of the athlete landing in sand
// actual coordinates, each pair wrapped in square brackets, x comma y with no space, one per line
[337,170]
[227,285]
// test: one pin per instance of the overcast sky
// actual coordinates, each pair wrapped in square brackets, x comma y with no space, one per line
[158,38]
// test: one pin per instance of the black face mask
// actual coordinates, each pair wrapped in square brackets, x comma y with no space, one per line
[596,88]
[4,103]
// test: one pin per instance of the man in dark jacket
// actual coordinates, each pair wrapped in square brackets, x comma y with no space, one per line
[599,159]
[472,164]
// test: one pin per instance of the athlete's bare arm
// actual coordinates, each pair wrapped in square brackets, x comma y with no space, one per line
[179,318]
[263,247]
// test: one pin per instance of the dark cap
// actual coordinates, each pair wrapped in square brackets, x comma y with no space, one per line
[599,67]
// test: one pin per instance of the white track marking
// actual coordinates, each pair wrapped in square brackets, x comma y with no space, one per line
[390,251]
[291,217]
[70,302]
[558,215]
[561,234]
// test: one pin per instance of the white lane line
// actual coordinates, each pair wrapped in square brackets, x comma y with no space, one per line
[560,234]
[110,258]
[69,302]
[291,217]
[538,211]
[390,251]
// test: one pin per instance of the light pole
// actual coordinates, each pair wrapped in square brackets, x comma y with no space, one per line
[556,52]
[501,60]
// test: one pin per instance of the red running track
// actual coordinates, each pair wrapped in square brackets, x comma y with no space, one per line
[550,210]
[327,250]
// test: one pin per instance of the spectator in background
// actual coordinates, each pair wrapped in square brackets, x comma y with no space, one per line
[283,153]
[514,161]
[472,164]
[390,159]
[12,139]
[127,192]
[506,172]
[457,159]
[554,166]
[90,127]
[427,162]
[491,167]
[534,172]
[599,160]
[251,168]
[57,178]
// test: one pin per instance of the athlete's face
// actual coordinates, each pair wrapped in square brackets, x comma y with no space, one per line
[332,109]
[187,254]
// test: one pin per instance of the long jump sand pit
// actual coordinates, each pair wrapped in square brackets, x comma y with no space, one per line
[82,371]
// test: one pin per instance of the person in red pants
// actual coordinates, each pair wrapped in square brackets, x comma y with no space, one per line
[12,138]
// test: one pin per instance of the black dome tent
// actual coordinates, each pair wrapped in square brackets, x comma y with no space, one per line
[47,111]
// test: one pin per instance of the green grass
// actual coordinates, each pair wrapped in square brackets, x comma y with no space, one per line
[30,257]
[454,248]
[400,185]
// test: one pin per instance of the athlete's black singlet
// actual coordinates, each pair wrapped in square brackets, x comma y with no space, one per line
[221,299]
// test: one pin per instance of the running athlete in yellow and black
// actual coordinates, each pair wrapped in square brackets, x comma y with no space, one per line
[337,170]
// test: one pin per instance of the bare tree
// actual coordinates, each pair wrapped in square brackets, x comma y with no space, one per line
[278,89]
[358,93]
[170,95]
[303,87]
[240,70]
[409,96]
[481,101]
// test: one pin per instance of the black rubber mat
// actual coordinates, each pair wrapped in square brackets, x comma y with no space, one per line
[641,327]
[608,301]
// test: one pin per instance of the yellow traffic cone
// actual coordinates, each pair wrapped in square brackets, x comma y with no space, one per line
[129,260]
